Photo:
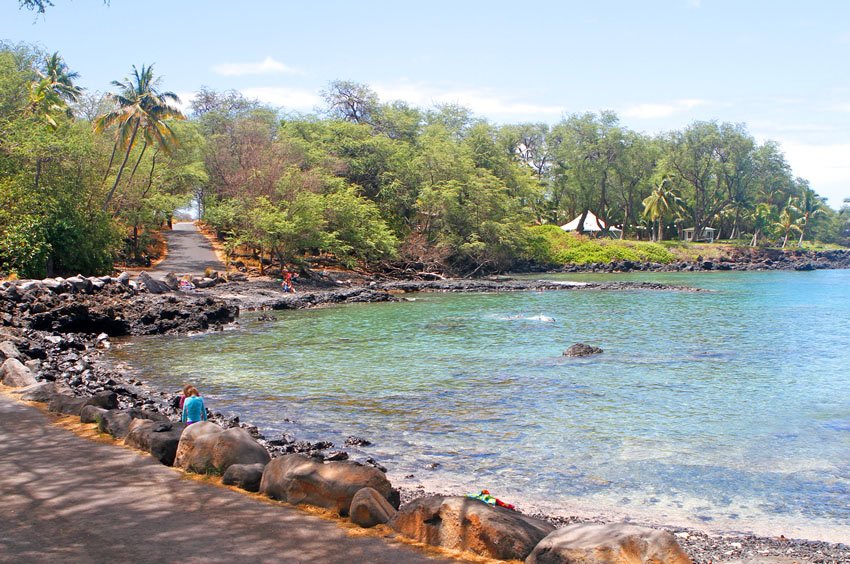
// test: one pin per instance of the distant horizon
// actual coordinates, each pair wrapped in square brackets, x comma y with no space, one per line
[659,67]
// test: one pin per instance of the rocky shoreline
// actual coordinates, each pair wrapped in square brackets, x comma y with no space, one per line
[59,330]
[736,259]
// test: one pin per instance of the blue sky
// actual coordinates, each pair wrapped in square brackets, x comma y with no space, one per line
[779,66]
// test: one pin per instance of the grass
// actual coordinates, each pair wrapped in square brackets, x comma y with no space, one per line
[551,245]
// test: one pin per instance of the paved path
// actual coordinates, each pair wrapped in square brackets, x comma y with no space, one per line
[189,252]
[64,498]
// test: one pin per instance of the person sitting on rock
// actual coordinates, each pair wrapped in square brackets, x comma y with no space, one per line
[194,409]
[185,395]
[287,286]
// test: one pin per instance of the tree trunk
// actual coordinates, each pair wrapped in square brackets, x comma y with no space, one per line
[133,173]
[109,167]
[660,229]
[785,241]
[121,169]
[136,241]
[581,220]
[262,269]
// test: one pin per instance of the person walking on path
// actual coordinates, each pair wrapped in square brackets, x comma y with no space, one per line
[194,409]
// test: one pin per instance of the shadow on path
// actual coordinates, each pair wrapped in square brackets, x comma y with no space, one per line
[69,499]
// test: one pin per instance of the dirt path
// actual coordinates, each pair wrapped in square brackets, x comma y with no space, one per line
[189,252]
[70,499]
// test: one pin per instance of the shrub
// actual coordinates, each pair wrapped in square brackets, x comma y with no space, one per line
[551,245]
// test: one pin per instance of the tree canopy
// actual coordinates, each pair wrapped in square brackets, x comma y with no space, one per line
[86,177]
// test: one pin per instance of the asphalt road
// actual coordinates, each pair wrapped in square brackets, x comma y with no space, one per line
[64,498]
[189,252]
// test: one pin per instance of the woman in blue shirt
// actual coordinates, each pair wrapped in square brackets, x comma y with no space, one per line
[194,409]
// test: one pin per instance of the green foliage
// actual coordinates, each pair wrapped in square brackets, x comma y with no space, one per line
[366,182]
[356,228]
[553,246]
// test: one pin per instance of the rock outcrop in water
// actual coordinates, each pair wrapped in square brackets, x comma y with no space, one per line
[58,329]
[580,349]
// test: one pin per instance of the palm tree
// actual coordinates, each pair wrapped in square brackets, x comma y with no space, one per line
[786,224]
[54,89]
[140,107]
[660,202]
[761,220]
[808,205]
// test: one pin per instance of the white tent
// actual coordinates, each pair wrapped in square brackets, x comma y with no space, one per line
[591,224]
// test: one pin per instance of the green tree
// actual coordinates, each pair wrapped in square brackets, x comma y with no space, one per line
[786,224]
[661,202]
[762,217]
[691,155]
[808,205]
[141,106]
[54,89]
[585,149]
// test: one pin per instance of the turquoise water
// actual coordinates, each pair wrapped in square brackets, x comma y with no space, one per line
[727,409]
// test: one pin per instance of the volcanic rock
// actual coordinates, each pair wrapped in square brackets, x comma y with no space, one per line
[244,476]
[462,523]
[296,479]
[205,447]
[13,373]
[608,544]
[370,508]
[159,438]
[9,350]
[580,349]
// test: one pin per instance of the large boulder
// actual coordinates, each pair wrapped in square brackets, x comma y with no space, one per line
[117,422]
[9,350]
[66,405]
[72,405]
[205,447]
[80,283]
[92,414]
[296,478]
[171,281]
[462,523]
[13,373]
[580,349]
[41,392]
[195,450]
[608,544]
[159,438]
[237,446]
[244,476]
[153,286]
[370,508]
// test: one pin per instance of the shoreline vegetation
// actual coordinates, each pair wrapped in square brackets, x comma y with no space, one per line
[61,328]
[368,200]
[89,179]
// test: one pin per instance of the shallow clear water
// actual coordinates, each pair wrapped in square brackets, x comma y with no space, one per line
[727,409]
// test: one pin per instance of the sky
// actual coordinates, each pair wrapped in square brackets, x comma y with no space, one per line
[779,66]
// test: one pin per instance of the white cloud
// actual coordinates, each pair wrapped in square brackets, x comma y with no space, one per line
[289,98]
[824,165]
[185,99]
[481,101]
[655,111]
[695,3]
[266,66]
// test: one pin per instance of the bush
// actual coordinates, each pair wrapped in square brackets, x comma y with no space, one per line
[551,245]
